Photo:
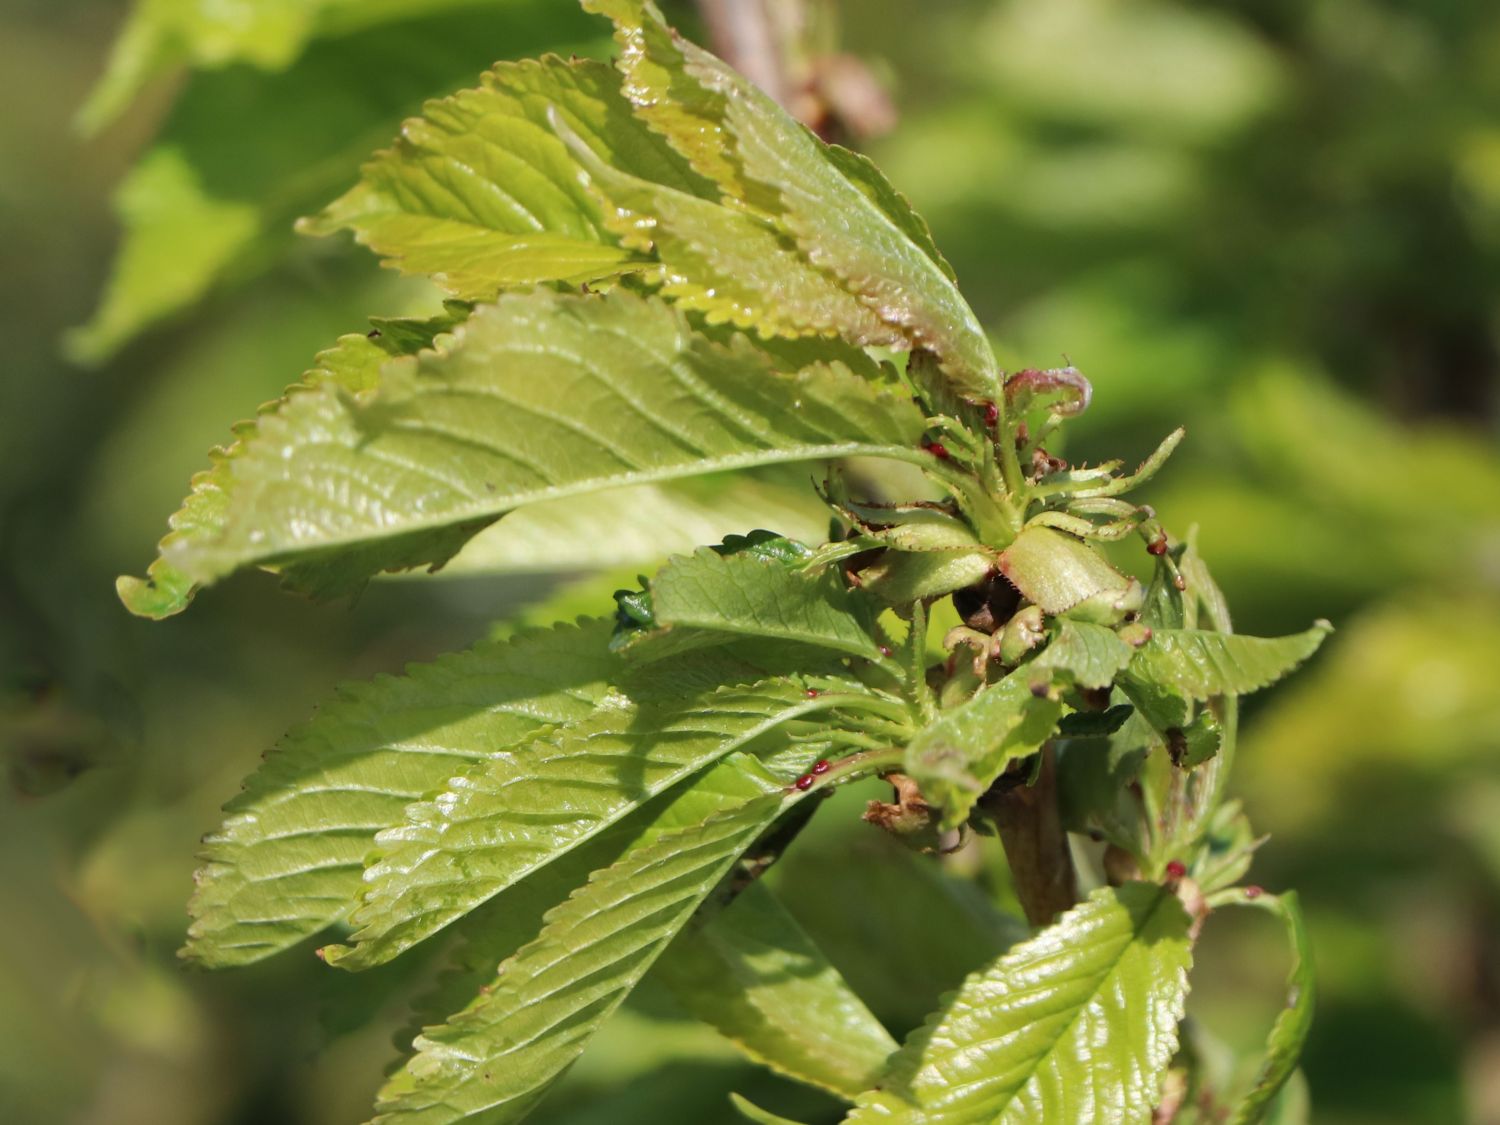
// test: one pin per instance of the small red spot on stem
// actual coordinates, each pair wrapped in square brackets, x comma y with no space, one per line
[885,650]
[1253,891]
[805,782]
[821,767]
[991,414]
[812,693]
[937,449]
[1157,546]
[1176,869]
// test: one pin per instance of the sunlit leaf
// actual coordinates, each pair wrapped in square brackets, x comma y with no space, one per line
[959,756]
[1077,1024]
[515,812]
[495,1060]
[538,397]
[353,365]
[481,194]
[290,856]
[1202,664]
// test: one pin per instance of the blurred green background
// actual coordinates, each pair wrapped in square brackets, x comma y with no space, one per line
[1274,221]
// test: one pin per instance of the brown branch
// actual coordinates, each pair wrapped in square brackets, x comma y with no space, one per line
[776,44]
[744,36]
[1036,846]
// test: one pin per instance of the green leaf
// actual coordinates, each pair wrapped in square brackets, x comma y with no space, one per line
[955,759]
[754,975]
[495,931]
[750,596]
[732,266]
[538,397]
[863,172]
[245,152]
[480,194]
[1199,743]
[1090,655]
[513,813]
[1057,571]
[639,527]
[902,577]
[843,231]
[1202,664]
[755,152]
[1289,1032]
[162,35]
[1076,1024]
[753,1113]
[290,856]
[497,1059]
[674,103]
[1228,847]
[946,928]
[353,365]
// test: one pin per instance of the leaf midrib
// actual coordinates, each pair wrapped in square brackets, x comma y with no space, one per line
[212,555]
[1067,1028]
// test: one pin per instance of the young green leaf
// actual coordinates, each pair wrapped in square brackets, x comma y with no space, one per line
[537,397]
[1077,1024]
[1090,655]
[495,931]
[957,757]
[289,858]
[1201,664]
[480,194]
[497,1059]
[757,153]
[754,975]
[514,813]
[1293,1022]
[730,265]
[1057,571]
[742,594]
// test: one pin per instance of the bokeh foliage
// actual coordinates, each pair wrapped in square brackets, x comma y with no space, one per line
[1276,223]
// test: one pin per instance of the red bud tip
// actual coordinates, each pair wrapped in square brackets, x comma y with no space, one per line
[805,782]
[885,650]
[1157,546]
[991,414]
[812,693]
[1254,891]
[1176,869]
[821,767]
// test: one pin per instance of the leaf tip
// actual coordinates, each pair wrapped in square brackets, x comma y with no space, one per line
[148,597]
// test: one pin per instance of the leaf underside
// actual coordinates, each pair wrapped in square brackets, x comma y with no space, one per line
[494,1061]
[334,486]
